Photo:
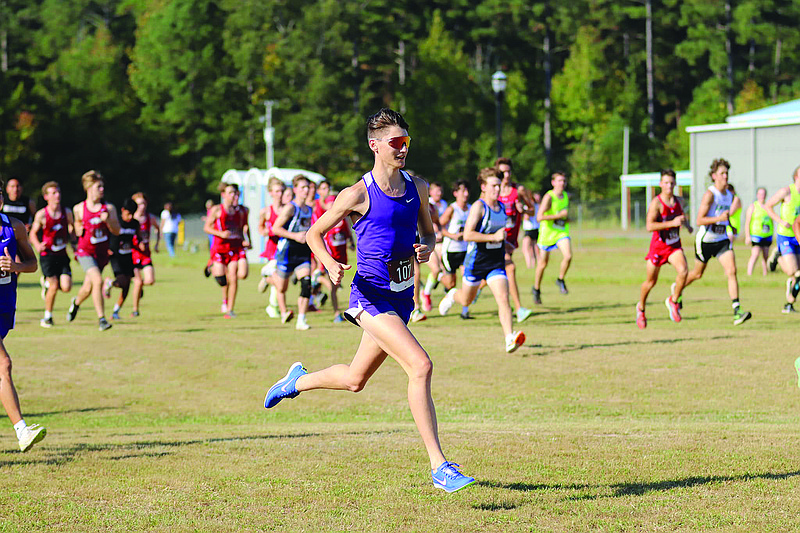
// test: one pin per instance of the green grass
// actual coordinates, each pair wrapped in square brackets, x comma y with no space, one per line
[158,423]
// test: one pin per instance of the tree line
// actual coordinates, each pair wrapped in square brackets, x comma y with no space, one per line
[164,96]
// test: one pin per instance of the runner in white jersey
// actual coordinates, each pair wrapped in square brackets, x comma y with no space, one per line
[454,247]
[530,231]
[712,236]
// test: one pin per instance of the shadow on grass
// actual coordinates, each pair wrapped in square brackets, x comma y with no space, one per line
[70,411]
[61,455]
[638,489]
[586,346]
[531,487]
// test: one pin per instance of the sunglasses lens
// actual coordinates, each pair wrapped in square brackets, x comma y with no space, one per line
[398,142]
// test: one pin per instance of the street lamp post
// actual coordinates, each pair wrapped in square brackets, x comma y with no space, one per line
[499,88]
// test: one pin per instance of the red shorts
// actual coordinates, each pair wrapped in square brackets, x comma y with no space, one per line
[339,253]
[141,260]
[228,257]
[659,252]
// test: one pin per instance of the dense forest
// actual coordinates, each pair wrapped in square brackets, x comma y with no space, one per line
[165,95]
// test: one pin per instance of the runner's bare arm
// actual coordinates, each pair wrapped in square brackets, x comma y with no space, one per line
[112,221]
[77,213]
[24,252]
[351,200]
[702,213]
[37,225]
[427,233]
[774,200]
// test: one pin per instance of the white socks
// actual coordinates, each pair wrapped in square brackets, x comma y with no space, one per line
[19,427]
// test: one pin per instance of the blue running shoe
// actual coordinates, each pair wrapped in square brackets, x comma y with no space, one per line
[285,387]
[448,478]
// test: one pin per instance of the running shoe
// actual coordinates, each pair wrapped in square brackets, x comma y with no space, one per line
[287,316]
[740,317]
[537,296]
[272,311]
[134,314]
[679,301]
[674,310]
[427,305]
[339,318]
[301,325]
[465,315]
[448,478]
[46,322]
[788,309]
[522,314]
[43,284]
[514,340]
[323,299]
[229,314]
[797,368]
[447,302]
[72,311]
[773,259]
[285,388]
[312,308]
[418,316]
[107,284]
[562,286]
[207,271]
[30,436]
[263,283]
[641,320]
[102,324]
[115,316]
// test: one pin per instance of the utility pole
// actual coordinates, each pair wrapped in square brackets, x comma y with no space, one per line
[269,133]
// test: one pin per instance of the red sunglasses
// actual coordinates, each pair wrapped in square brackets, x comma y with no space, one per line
[398,142]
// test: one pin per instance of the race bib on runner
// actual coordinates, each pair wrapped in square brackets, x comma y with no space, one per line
[719,229]
[98,236]
[401,274]
[673,236]
[5,277]
[560,223]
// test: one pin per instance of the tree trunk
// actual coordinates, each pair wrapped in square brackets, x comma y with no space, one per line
[3,50]
[729,50]
[548,75]
[776,70]
[651,109]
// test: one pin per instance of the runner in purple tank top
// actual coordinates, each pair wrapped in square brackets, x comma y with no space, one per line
[386,207]
[13,243]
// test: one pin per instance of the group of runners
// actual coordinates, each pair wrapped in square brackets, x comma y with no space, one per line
[97,234]
[716,229]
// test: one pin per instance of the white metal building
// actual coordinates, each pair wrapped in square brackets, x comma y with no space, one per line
[763,147]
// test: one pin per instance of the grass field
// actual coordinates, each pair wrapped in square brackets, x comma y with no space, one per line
[158,424]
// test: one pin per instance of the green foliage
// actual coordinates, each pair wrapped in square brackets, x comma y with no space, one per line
[166,95]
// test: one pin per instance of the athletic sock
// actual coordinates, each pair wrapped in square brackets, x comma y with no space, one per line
[464,309]
[48,315]
[19,426]
[735,305]
[301,317]
[429,283]
[116,308]
[273,297]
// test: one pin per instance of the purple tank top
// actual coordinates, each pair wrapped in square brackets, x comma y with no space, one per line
[8,280]
[386,235]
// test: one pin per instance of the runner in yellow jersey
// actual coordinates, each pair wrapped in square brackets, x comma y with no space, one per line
[553,218]
[758,232]
[789,198]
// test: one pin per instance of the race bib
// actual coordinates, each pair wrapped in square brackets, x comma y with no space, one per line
[5,277]
[401,274]
[560,223]
[338,240]
[673,236]
[494,245]
[719,229]
[99,236]
[58,245]
[766,228]
[509,222]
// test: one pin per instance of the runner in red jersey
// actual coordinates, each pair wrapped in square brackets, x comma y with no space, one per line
[55,224]
[514,197]
[266,218]
[228,222]
[143,271]
[94,220]
[664,218]
[336,242]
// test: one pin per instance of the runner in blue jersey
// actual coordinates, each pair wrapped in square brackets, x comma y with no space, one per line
[485,231]
[386,206]
[13,244]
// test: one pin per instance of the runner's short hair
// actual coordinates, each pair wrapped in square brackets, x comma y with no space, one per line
[460,183]
[503,161]
[49,185]
[489,172]
[222,186]
[128,204]
[273,181]
[668,172]
[90,178]
[383,119]
[715,164]
[300,177]
[140,196]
